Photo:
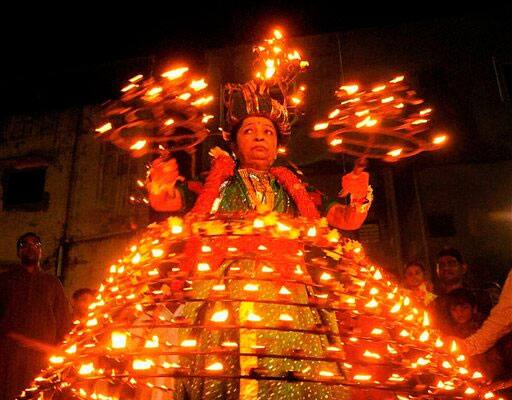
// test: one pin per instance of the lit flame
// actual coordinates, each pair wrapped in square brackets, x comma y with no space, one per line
[395,152]
[142,364]
[198,85]
[104,128]
[152,343]
[202,101]
[203,267]
[169,122]
[397,79]
[157,253]
[252,317]
[387,99]
[350,89]
[220,316]
[251,287]
[320,126]
[118,340]
[372,303]
[370,354]
[285,317]
[439,139]
[336,142]
[216,366]
[424,336]
[86,369]
[284,291]
[334,114]
[189,343]
[155,91]
[56,359]
[136,78]
[138,145]
[175,73]
[362,377]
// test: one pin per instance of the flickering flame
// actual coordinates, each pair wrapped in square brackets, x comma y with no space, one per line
[219,288]
[372,303]
[138,145]
[175,73]
[333,349]
[136,258]
[285,317]
[295,100]
[56,359]
[311,232]
[325,276]
[396,308]
[477,375]
[378,88]
[152,343]
[419,121]
[266,269]
[453,347]
[104,128]
[176,229]
[189,343]
[155,91]
[127,88]
[395,152]
[92,322]
[396,378]
[361,113]
[136,78]
[391,350]
[157,253]
[206,118]
[118,340]
[362,377]
[489,395]
[215,367]
[281,150]
[326,374]
[426,111]
[373,291]
[367,122]
[229,344]
[439,139]
[320,126]
[426,319]
[284,291]
[397,79]
[251,287]
[202,101]
[399,105]
[377,331]
[258,223]
[404,333]
[446,365]
[422,361]
[71,349]
[86,369]
[203,267]
[336,142]
[142,364]
[169,122]
[424,336]
[277,34]
[220,316]
[184,96]
[387,99]
[370,354]
[198,85]
[350,89]
[470,391]
[334,113]
[252,317]
[262,247]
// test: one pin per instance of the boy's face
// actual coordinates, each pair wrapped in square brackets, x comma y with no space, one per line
[461,313]
[414,276]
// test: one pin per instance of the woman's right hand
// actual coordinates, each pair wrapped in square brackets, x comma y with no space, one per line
[161,185]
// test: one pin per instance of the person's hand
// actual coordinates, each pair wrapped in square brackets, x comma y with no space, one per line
[163,176]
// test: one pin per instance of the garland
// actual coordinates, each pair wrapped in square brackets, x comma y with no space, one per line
[223,168]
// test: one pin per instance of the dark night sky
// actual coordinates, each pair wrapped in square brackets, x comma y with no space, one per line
[46,50]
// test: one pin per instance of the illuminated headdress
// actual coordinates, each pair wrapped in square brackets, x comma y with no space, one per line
[268,94]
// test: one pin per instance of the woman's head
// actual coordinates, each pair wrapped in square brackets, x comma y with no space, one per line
[255,141]
[414,274]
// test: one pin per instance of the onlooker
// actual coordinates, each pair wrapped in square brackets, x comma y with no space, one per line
[416,281]
[464,315]
[34,314]
[80,302]
[451,270]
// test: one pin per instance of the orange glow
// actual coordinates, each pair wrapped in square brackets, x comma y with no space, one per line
[219,288]
[362,377]
[136,78]
[56,359]
[277,34]
[284,291]
[184,96]
[336,142]
[215,367]
[325,276]
[424,336]
[470,391]
[251,287]
[266,269]
[397,79]
[334,113]
[377,331]
[370,354]
[157,253]
[378,88]
[426,111]
[202,101]
[327,374]
[155,91]
[387,100]
[169,122]
[252,317]
[152,343]
[203,267]
[419,121]
[372,303]
[285,317]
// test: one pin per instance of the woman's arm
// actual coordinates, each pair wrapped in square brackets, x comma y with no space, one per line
[497,325]
[163,188]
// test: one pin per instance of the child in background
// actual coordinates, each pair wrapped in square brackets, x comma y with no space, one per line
[415,280]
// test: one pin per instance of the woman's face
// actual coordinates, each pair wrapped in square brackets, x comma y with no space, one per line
[256,143]
[414,276]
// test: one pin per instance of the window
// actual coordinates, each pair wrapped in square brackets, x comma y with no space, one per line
[23,189]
